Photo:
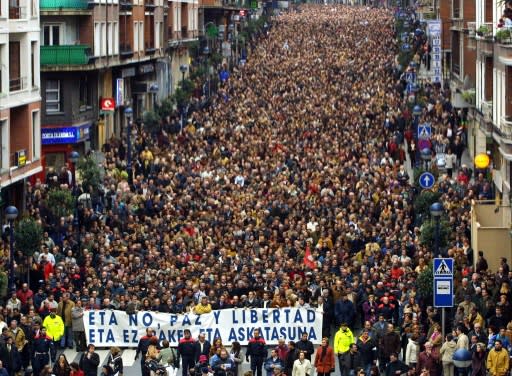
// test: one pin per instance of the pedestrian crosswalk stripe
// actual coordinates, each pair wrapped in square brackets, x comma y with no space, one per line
[103,355]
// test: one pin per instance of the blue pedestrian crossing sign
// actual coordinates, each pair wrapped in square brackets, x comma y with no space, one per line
[427,180]
[424,131]
[443,282]
[410,77]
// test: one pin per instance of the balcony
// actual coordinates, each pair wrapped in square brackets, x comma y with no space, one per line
[58,5]
[126,5]
[125,50]
[471,28]
[65,55]
[17,12]
[506,128]
[149,5]
[487,110]
[485,30]
[18,84]
[149,48]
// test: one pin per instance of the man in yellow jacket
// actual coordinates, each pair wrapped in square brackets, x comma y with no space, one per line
[498,360]
[342,341]
[54,329]
[203,306]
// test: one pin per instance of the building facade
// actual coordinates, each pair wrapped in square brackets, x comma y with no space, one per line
[100,57]
[20,116]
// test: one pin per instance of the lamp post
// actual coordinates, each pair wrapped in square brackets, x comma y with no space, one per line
[11,213]
[73,157]
[206,53]
[183,70]
[128,112]
[436,211]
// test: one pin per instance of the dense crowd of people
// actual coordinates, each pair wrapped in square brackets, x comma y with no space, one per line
[287,191]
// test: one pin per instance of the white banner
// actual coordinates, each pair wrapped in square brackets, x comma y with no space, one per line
[105,328]
[434,31]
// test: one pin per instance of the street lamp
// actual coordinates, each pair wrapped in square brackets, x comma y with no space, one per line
[183,70]
[73,157]
[206,53]
[426,156]
[11,213]
[436,211]
[416,112]
[128,112]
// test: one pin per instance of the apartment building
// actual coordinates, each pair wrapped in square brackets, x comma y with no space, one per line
[98,58]
[20,136]
[493,104]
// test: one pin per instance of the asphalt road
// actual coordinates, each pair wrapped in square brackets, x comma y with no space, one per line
[132,366]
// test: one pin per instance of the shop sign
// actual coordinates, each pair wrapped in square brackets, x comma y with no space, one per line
[146,68]
[119,91]
[64,135]
[107,104]
[21,158]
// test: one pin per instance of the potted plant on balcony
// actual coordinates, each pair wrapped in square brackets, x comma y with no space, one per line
[483,30]
[504,36]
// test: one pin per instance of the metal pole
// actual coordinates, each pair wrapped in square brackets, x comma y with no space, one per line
[77,220]
[443,323]
[182,79]
[12,284]
[129,150]
[437,237]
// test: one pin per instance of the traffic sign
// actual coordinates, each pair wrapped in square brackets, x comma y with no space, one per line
[443,282]
[410,77]
[424,130]
[427,180]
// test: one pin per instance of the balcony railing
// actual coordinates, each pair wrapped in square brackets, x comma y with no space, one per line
[126,4]
[63,4]
[149,5]
[65,55]
[472,28]
[125,50]
[487,110]
[485,30]
[506,127]
[17,12]
[17,84]
[149,48]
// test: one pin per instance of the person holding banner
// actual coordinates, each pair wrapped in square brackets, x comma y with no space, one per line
[257,351]
[187,352]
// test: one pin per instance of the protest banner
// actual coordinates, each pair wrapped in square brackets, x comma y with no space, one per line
[105,328]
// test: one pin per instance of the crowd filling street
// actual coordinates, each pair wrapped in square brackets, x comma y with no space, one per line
[290,189]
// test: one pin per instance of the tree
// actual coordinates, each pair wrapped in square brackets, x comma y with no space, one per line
[423,201]
[424,283]
[428,234]
[151,120]
[28,234]
[90,173]
[60,202]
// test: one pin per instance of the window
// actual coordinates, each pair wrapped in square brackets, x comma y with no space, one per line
[97,39]
[103,38]
[52,34]
[52,96]
[135,36]
[15,81]
[36,136]
[4,151]
[115,39]
[141,35]
[33,46]
[84,94]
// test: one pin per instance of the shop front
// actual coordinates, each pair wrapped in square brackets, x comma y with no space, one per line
[58,141]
